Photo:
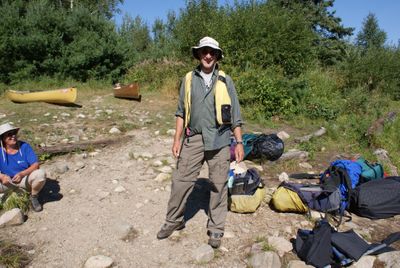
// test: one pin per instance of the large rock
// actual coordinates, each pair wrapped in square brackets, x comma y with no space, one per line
[365,262]
[99,261]
[61,168]
[11,218]
[267,259]
[280,244]
[298,264]
[390,259]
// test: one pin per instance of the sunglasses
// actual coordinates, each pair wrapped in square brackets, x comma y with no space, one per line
[205,51]
[10,133]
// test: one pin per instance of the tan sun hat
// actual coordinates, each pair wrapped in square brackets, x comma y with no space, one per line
[7,127]
[207,42]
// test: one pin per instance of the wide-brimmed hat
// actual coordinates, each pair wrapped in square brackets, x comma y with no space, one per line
[7,127]
[207,42]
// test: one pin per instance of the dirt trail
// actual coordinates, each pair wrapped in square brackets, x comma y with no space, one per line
[105,193]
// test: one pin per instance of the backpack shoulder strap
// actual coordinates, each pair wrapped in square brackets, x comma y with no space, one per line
[187,100]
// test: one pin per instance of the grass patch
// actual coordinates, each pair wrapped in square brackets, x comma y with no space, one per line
[15,200]
[12,255]
[265,246]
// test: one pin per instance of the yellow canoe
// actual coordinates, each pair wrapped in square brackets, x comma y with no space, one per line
[62,96]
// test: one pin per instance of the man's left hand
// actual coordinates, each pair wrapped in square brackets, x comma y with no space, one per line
[17,178]
[239,153]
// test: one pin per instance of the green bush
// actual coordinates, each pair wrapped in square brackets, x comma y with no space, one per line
[374,69]
[155,73]
[264,94]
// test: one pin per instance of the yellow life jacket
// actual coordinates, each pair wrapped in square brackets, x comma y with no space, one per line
[222,98]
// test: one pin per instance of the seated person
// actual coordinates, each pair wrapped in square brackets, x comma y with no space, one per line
[19,166]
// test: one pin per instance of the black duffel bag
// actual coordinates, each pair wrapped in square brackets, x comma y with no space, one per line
[377,199]
[269,147]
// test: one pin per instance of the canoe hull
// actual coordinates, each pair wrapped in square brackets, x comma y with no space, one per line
[61,96]
[130,91]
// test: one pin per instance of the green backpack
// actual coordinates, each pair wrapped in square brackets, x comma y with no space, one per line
[370,171]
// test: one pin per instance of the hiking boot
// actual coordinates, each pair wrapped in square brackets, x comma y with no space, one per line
[168,229]
[36,206]
[215,239]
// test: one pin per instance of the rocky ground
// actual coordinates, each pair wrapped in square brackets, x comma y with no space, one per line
[103,207]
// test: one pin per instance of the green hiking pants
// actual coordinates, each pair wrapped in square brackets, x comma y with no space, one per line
[190,161]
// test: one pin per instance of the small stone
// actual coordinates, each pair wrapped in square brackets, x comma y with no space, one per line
[283,177]
[65,114]
[157,132]
[171,132]
[81,116]
[99,261]
[147,155]
[162,177]
[157,163]
[114,130]
[119,189]
[224,249]
[283,135]
[203,254]
[166,169]
[316,214]
[228,234]
[126,232]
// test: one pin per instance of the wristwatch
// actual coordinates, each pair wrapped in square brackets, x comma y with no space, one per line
[239,142]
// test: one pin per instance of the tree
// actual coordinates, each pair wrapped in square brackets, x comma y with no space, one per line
[371,36]
[39,38]
[330,33]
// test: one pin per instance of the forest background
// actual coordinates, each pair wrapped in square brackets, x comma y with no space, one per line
[291,60]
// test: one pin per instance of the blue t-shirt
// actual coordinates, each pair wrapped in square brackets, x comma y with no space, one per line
[14,163]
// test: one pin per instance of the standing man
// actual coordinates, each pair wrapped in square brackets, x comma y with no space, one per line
[208,110]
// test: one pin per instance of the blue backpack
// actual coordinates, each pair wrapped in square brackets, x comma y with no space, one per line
[343,175]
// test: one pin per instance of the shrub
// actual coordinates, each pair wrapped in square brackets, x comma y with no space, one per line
[264,94]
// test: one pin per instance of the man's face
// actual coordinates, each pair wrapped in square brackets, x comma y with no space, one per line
[208,57]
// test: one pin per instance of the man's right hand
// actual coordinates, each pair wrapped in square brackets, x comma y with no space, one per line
[176,148]
[5,180]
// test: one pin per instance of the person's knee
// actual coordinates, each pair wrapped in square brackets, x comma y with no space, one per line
[37,176]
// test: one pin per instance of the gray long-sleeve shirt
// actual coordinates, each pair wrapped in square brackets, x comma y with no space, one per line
[203,115]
